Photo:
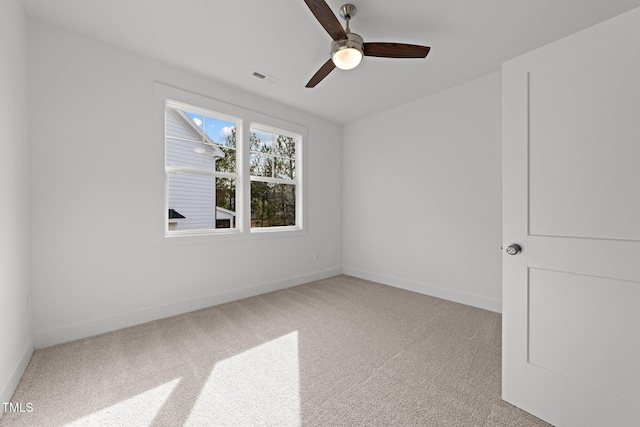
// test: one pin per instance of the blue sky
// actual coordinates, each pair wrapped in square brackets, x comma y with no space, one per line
[218,130]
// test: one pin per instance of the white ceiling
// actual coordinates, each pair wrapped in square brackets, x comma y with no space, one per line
[228,40]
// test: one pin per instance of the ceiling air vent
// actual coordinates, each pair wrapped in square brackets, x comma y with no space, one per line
[265,77]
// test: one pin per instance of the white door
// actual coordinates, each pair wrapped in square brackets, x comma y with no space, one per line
[571,188]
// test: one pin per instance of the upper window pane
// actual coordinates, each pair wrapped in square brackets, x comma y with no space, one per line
[176,126]
[228,162]
[221,132]
[199,142]
[272,155]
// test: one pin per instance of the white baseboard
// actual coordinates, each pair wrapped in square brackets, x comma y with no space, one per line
[95,327]
[434,291]
[11,384]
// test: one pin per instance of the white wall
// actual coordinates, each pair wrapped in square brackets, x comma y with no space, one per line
[15,329]
[96,263]
[422,195]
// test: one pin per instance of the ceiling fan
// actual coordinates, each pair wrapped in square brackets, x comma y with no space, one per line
[347,48]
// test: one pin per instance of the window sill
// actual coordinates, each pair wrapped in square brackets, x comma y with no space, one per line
[215,236]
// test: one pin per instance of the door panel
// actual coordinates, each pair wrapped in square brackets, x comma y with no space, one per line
[571,199]
[586,342]
[583,157]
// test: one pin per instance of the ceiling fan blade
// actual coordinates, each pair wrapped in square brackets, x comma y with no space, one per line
[327,19]
[322,73]
[395,50]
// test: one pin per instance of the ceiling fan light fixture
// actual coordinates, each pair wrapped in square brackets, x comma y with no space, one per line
[347,54]
[347,59]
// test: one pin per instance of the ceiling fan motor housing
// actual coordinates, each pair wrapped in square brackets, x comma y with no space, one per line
[353,41]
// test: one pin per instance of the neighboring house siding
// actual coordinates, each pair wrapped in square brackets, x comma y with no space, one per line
[192,196]
[179,152]
[177,129]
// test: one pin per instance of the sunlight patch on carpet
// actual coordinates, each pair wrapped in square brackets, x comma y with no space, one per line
[129,412]
[260,386]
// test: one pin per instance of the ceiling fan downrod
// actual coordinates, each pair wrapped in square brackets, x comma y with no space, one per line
[347,12]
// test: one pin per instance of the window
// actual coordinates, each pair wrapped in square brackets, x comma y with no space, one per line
[229,170]
[273,178]
[200,163]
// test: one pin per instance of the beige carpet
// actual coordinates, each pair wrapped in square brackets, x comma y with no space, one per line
[337,352]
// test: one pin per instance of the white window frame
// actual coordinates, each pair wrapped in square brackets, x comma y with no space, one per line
[296,182]
[201,172]
[246,120]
